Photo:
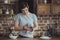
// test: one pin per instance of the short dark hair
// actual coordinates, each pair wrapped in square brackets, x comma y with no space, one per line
[23,5]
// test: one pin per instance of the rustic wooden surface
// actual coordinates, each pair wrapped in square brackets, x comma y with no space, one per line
[5,38]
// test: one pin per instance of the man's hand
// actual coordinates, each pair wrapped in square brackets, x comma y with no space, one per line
[28,28]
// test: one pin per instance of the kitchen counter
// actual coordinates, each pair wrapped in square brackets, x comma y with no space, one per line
[6,38]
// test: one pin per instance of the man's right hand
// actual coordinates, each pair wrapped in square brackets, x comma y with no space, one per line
[28,28]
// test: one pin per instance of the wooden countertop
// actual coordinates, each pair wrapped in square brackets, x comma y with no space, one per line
[5,38]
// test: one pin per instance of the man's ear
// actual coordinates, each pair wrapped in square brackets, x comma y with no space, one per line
[28,7]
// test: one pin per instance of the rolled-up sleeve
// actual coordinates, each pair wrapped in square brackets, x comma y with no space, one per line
[16,18]
[34,18]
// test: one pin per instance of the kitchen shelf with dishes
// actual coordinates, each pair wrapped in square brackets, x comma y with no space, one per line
[7,13]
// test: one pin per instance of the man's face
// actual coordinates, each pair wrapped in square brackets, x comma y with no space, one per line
[25,10]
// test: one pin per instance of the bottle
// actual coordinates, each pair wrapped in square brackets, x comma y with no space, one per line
[45,1]
[7,11]
[12,12]
[0,11]
[0,26]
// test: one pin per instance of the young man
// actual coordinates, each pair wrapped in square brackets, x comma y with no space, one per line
[25,22]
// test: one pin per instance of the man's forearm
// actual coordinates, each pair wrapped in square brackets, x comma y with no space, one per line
[24,28]
[19,28]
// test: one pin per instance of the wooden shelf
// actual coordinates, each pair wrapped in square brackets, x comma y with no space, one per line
[7,14]
[7,3]
[1,29]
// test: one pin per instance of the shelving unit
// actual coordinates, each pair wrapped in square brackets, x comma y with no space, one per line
[48,12]
[7,12]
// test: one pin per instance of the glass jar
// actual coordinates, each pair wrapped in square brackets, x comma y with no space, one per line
[58,1]
[6,1]
[45,1]
[0,25]
[7,11]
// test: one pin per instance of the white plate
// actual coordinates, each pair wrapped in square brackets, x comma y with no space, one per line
[45,37]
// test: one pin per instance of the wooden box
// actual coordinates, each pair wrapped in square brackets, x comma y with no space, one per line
[43,9]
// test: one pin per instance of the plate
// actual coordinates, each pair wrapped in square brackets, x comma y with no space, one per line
[45,37]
